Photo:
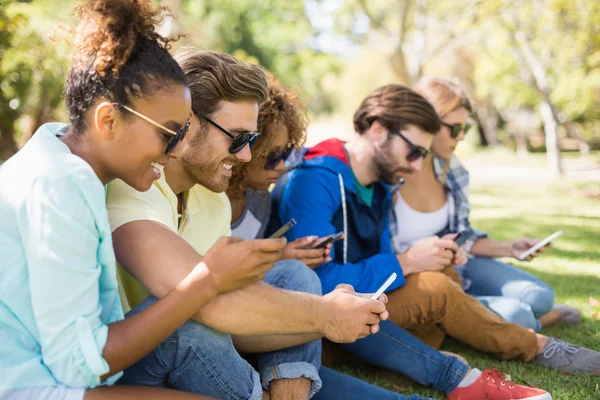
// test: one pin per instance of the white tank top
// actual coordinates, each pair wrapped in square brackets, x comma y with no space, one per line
[414,225]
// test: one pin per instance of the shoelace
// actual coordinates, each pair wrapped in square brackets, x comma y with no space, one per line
[560,346]
[495,375]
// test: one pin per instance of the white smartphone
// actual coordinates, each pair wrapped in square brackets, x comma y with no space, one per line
[538,246]
[383,287]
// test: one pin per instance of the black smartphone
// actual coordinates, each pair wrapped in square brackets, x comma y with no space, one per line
[281,231]
[329,239]
[461,238]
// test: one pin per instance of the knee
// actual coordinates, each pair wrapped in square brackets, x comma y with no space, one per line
[295,275]
[435,290]
[437,283]
[517,312]
[194,334]
[539,297]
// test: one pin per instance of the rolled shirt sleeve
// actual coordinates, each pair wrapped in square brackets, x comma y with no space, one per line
[61,241]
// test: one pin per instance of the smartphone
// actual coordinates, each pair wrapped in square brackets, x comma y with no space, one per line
[461,238]
[281,231]
[538,246]
[329,239]
[383,287]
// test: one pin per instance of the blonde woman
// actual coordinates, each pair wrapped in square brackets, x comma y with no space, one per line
[435,201]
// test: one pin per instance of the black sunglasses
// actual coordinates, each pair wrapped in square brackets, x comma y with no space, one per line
[275,157]
[237,142]
[415,152]
[457,128]
[176,136]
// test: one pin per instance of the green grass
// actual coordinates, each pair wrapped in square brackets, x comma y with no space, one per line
[572,268]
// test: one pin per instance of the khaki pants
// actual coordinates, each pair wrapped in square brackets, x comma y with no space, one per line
[432,305]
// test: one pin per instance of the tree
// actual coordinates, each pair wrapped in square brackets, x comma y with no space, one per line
[275,34]
[32,72]
[14,80]
[544,54]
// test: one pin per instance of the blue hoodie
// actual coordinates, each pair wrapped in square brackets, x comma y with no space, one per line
[313,193]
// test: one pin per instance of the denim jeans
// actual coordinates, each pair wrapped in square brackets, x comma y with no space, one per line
[515,295]
[338,386]
[396,349]
[198,359]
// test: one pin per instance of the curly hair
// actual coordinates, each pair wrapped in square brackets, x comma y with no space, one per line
[282,106]
[118,56]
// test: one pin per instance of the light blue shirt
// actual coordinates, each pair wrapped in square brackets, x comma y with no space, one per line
[58,282]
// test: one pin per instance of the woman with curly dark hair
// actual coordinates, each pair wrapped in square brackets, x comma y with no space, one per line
[282,123]
[62,332]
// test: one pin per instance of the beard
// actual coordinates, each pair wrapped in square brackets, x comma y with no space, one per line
[387,167]
[202,168]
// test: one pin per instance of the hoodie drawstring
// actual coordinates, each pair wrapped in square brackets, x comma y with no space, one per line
[345,214]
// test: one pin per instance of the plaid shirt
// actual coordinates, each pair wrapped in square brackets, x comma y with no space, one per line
[457,189]
[457,197]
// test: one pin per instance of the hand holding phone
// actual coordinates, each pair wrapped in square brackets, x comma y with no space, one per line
[384,287]
[462,238]
[311,250]
[538,246]
[329,239]
[281,231]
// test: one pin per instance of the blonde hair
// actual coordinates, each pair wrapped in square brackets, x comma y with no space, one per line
[445,96]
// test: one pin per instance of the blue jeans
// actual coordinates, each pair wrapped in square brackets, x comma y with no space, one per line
[338,386]
[198,359]
[515,295]
[396,349]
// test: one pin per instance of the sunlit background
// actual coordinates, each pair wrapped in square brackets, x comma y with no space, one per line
[531,67]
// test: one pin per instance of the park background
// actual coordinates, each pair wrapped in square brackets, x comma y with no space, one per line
[532,69]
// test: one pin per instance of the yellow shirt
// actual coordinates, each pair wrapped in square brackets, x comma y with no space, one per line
[206,218]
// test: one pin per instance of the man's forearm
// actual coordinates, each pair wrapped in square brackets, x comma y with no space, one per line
[485,247]
[261,309]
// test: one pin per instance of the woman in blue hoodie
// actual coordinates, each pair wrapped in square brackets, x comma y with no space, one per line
[62,332]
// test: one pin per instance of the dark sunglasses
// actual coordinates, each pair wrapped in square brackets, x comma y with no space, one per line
[415,152]
[176,136]
[457,128]
[275,157]
[237,142]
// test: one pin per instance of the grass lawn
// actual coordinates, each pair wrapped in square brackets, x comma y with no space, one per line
[572,268]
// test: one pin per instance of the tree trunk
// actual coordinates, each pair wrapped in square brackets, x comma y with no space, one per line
[8,147]
[420,41]
[552,143]
[573,132]
[399,67]
[483,142]
[548,111]
[398,58]
[487,121]
[521,144]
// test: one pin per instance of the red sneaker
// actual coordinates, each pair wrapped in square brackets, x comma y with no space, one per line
[491,386]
